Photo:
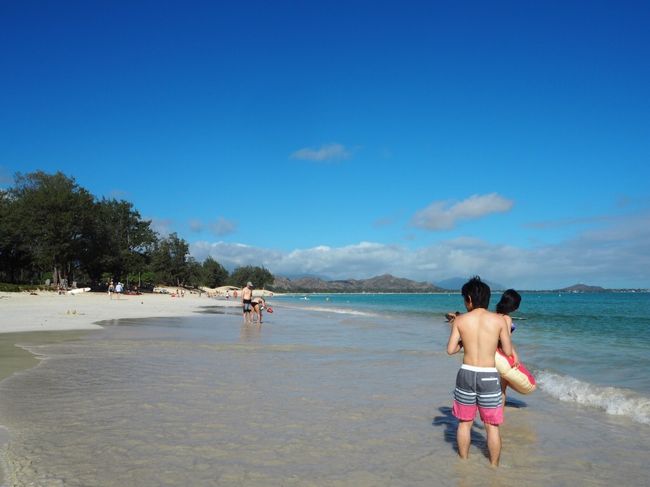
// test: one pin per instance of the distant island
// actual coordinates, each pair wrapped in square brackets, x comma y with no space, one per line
[387,283]
[585,288]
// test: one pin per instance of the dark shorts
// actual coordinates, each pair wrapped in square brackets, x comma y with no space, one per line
[247,306]
[478,388]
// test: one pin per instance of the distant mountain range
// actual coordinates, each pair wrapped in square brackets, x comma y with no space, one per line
[379,284]
[455,283]
[583,288]
[391,284]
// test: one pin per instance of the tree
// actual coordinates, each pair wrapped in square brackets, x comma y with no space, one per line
[14,253]
[54,217]
[122,243]
[169,260]
[194,273]
[259,276]
[214,274]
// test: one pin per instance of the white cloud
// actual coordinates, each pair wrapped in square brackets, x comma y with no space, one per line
[442,215]
[233,255]
[327,152]
[613,256]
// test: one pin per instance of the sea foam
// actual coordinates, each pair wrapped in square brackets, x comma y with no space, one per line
[324,309]
[613,400]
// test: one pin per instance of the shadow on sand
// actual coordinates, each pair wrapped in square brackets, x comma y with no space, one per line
[477,435]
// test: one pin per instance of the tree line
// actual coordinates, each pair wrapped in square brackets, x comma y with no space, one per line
[53,229]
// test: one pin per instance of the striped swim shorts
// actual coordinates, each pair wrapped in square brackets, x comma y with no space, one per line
[478,387]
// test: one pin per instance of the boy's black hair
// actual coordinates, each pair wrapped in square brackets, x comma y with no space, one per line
[509,302]
[478,291]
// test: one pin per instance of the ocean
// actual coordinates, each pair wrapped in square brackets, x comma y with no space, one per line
[588,348]
[332,390]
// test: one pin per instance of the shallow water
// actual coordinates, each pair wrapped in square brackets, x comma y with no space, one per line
[314,399]
[591,349]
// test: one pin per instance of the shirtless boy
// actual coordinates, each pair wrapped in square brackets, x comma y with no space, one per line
[246,300]
[477,384]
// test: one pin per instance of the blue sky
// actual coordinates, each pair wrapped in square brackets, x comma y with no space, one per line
[350,139]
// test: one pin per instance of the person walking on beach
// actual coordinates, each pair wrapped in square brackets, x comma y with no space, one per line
[478,332]
[111,289]
[247,301]
[118,289]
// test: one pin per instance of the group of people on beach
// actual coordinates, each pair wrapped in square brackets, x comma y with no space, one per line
[116,289]
[479,333]
[252,307]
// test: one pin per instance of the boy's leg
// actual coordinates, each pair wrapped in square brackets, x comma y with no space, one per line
[463,437]
[493,443]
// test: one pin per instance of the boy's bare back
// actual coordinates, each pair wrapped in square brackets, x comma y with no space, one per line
[480,331]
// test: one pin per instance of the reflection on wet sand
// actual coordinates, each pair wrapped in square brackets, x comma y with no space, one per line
[250,332]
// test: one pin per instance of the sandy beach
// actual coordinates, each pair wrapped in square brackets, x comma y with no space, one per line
[49,311]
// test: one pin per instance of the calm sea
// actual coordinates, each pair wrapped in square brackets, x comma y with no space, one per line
[333,390]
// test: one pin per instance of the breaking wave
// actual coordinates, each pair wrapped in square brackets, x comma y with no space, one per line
[613,400]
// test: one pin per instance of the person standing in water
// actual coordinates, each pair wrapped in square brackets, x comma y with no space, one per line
[478,332]
[509,303]
[247,302]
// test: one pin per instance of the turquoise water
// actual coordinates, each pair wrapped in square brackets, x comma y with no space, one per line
[592,349]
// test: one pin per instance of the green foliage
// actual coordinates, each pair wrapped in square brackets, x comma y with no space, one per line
[6,287]
[51,228]
[170,260]
[123,241]
[214,274]
[259,276]
[50,220]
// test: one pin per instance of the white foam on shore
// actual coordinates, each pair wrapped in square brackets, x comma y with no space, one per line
[337,310]
[615,401]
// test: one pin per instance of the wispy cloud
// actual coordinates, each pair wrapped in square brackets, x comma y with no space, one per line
[219,227]
[162,226]
[612,256]
[223,226]
[118,194]
[384,222]
[196,226]
[327,152]
[443,215]
[567,222]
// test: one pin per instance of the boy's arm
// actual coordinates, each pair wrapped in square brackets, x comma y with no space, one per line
[453,345]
